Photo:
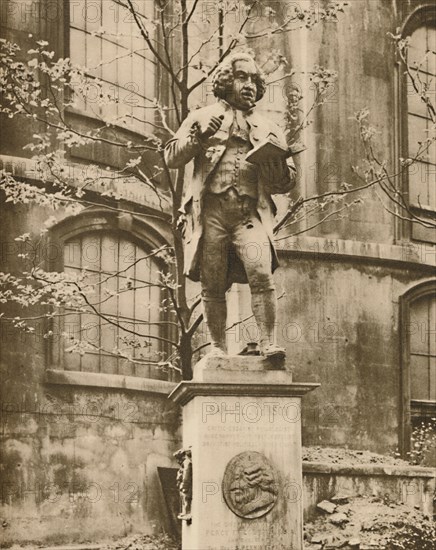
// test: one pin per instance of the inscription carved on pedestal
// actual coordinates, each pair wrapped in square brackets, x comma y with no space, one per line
[250,485]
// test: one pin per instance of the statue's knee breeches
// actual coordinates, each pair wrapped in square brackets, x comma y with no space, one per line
[254,250]
[232,227]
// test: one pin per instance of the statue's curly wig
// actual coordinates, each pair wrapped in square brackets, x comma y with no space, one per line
[222,80]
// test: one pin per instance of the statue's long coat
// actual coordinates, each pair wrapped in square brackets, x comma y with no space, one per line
[183,148]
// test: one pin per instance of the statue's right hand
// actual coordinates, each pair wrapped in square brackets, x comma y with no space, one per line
[209,129]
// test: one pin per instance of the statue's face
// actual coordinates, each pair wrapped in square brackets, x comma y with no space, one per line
[243,93]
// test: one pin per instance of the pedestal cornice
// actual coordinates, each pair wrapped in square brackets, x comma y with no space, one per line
[185,391]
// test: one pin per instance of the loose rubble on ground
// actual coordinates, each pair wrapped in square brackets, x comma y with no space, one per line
[368,523]
[143,542]
[348,523]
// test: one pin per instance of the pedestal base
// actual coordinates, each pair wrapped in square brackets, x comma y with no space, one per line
[243,426]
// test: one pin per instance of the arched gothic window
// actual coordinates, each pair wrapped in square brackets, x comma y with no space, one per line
[422,358]
[118,318]
[421,30]
[418,340]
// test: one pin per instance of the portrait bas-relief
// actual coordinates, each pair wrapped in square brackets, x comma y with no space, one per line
[250,485]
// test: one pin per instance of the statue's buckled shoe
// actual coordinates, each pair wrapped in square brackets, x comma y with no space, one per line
[271,350]
[216,351]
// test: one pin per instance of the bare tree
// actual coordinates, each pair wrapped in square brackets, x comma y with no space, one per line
[41,90]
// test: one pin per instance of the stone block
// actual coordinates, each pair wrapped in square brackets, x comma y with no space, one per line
[242,424]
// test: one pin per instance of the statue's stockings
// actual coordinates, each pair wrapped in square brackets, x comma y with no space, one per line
[264,306]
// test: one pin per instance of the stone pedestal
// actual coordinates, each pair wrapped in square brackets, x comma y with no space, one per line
[242,425]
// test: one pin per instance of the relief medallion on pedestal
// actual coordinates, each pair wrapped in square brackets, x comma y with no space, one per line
[250,485]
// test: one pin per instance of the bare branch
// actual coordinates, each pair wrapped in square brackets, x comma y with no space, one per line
[191,13]
[147,39]
[324,219]
[233,43]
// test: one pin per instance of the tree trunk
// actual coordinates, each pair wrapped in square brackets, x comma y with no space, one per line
[185,343]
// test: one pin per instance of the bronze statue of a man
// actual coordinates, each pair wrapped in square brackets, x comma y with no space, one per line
[228,206]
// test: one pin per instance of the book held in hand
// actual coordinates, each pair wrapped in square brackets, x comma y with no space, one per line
[269,150]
